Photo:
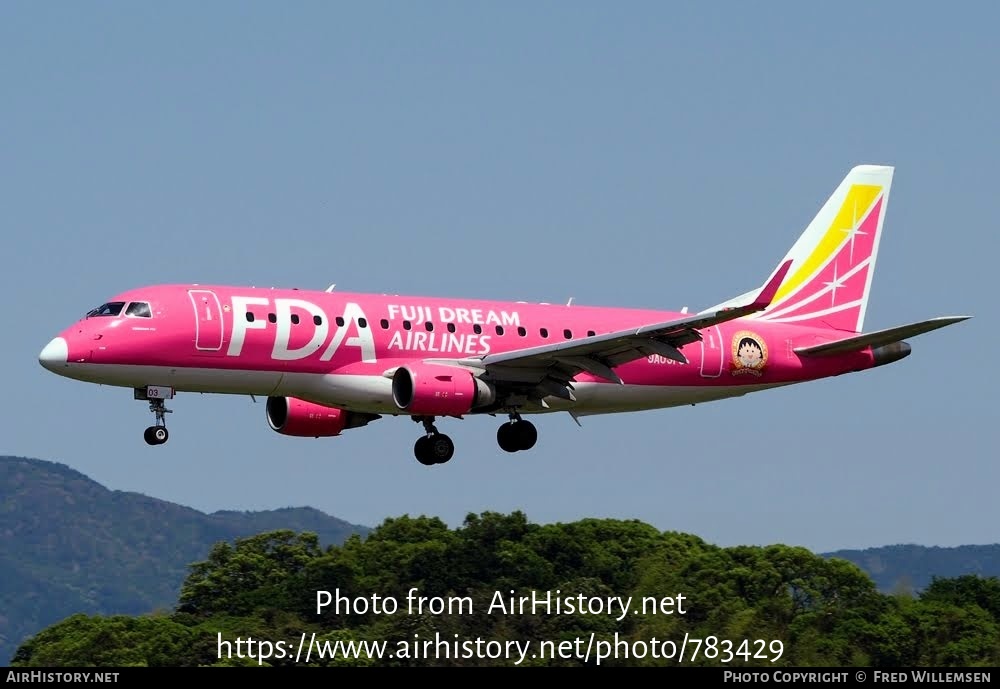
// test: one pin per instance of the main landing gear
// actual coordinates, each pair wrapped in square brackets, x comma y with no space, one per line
[517,434]
[434,447]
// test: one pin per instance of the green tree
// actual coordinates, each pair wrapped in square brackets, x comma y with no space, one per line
[116,641]
[824,611]
[966,590]
[237,578]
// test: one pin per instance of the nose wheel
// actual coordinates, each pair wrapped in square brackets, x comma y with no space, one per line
[157,434]
[434,447]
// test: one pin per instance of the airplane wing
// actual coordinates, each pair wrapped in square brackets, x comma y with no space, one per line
[551,367]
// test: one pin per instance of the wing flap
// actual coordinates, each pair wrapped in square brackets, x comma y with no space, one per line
[879,338]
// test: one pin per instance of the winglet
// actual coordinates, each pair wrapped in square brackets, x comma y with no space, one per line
[766,295]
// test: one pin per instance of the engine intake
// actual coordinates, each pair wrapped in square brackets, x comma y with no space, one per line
[439,390]
[292,416]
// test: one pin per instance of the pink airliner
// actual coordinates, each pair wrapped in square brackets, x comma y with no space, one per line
[328,361]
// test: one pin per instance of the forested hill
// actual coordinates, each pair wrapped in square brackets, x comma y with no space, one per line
[68,545]
[503,591]
[898,568]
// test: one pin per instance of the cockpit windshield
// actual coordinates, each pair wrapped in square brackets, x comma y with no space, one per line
[112,308]
[138,309]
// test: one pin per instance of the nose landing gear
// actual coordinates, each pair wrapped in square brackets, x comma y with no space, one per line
[157,433]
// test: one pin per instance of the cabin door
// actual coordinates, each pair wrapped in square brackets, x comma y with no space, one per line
[207,320]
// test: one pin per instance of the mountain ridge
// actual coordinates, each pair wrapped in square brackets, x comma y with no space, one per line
[910,567]
[70,544]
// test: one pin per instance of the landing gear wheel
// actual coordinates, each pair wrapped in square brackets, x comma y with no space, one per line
[517,435]
[421,450]
[527,434]
[156,435]
[507,438]
[433,447]
[441,448]
[436,448]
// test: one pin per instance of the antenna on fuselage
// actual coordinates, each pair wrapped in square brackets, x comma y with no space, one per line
[330,288]
[570,302]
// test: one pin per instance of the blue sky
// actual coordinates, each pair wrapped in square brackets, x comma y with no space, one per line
[655,155]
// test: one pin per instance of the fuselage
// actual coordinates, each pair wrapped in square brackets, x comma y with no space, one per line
[340,348]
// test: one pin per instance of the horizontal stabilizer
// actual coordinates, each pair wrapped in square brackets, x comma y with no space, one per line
[879,338]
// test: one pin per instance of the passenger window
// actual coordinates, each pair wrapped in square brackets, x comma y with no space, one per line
[478,329]
[429,326]
[384,323]
[249,317]
[295,318]
[451,327]
[568,334]
[544,332]
[591,333]
[499,330]
[340,321]
[363,322]
[138,309]
[406,325]
[521,331]
[272,318]
[317,320]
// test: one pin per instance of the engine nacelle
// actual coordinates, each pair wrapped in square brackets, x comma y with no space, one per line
[291,416]
[439,390]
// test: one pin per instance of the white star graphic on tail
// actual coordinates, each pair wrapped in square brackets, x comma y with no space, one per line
[834,285]
[854,230]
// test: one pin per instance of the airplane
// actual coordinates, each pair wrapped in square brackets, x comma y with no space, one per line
[329,361]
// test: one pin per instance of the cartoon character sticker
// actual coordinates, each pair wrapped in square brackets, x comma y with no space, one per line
[749,354]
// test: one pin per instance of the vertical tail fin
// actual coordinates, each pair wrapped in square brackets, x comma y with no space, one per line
[834,259]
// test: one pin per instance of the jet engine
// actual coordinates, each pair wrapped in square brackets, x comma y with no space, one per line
[439,390]
[291,416]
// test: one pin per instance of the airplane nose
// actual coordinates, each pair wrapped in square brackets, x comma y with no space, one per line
[54,354]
